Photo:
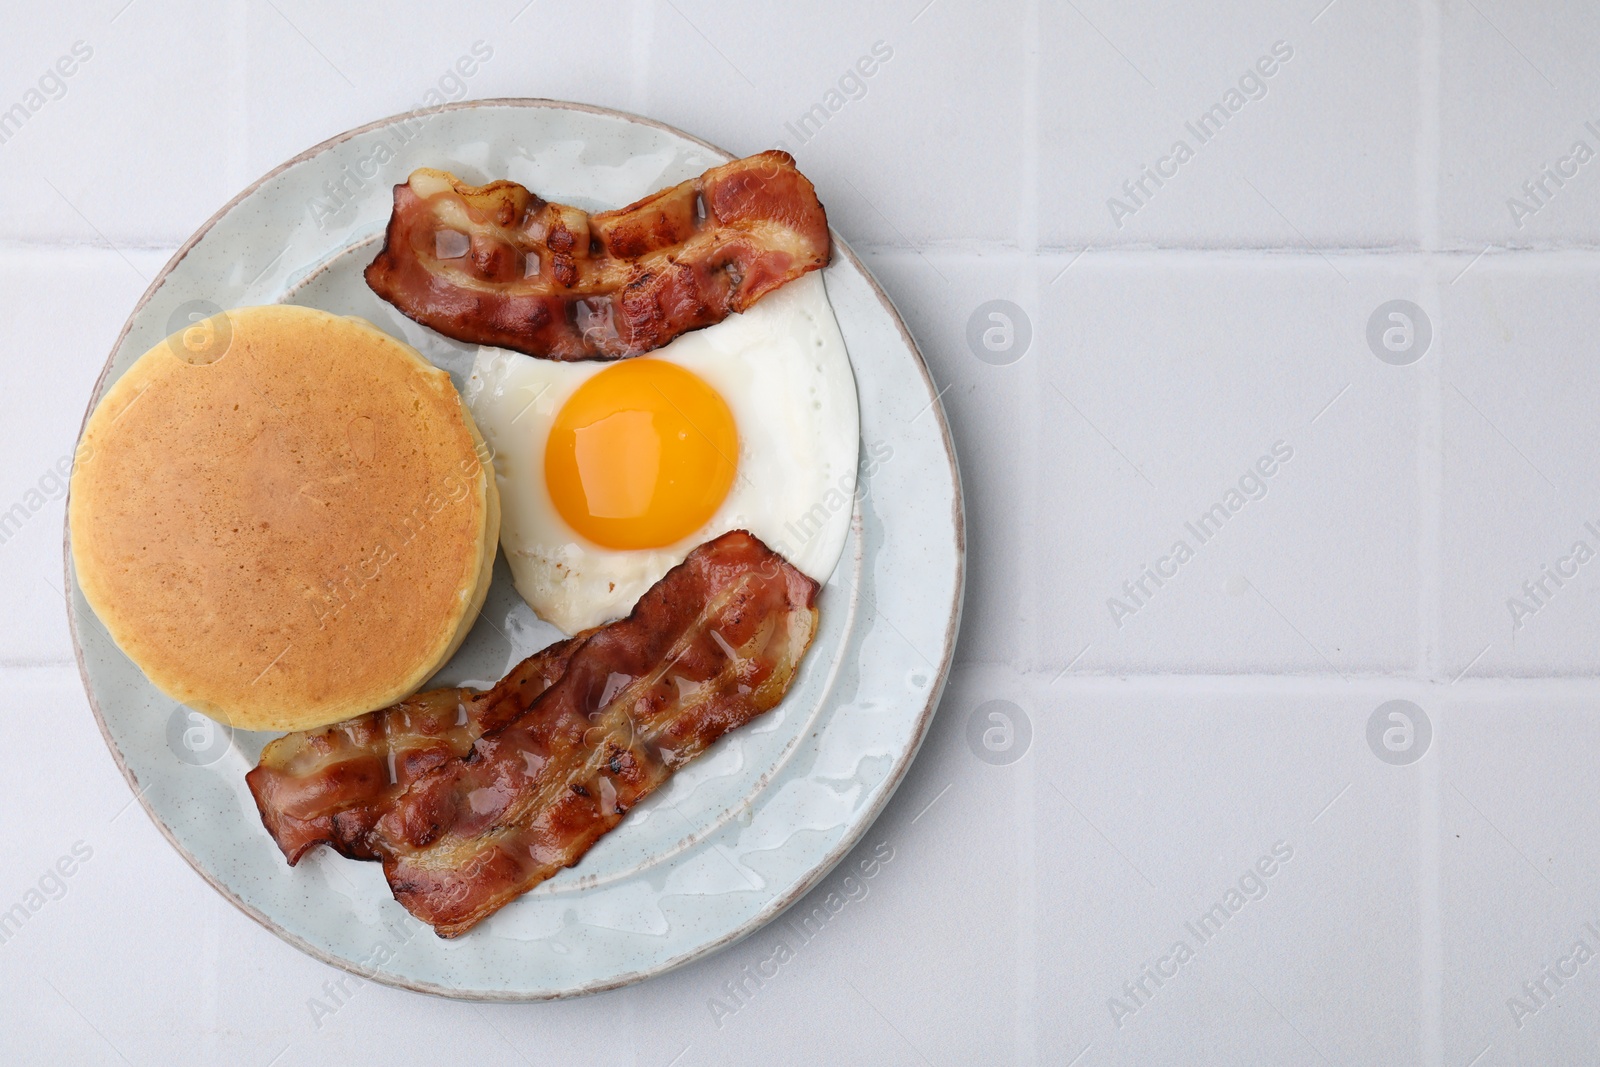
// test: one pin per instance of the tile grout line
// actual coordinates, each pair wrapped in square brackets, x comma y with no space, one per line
[1430,547]
[991,251]
[1025,1023]
[1500,690]
[641,31]
[991,254]
[238,152]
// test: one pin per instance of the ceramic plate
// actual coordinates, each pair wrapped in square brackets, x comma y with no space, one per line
[731,840]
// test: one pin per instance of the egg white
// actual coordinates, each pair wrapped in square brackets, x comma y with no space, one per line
[783,371]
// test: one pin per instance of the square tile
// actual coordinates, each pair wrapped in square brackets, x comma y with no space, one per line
[1519,850]
[1162,803]
[1222,421]
[1121,89]
[141,142]
[1520,502]
[1516,96]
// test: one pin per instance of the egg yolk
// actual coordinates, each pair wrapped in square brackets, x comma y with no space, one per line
[641,455]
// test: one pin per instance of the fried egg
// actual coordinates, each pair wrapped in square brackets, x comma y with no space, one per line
[611,473]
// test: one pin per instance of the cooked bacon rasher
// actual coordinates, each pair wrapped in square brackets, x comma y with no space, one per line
[328,786]
[712,645]
[497,265]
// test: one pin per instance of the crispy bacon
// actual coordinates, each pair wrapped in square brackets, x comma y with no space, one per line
[497,265]
[712,645]
[329,786]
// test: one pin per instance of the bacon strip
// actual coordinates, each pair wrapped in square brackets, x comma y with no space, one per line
[497,265]
[712,645]
[328,786]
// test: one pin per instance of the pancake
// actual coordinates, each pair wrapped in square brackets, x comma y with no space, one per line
[284,517]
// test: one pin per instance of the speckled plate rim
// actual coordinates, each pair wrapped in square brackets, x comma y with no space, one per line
[851,836]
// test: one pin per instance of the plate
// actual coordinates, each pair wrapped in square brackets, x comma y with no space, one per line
[730,841]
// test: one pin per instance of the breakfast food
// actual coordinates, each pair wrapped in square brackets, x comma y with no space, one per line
[610,473]
[287,525]
[329,785]
[709,648]
[293,520]
[497,265]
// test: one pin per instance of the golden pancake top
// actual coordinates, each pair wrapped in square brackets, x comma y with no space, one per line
[284,517]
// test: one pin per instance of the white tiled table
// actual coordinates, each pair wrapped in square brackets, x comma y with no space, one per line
[1225,716]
